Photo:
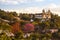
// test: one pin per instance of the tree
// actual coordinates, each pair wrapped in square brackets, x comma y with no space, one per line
[15,27]
[25,17]
[28,27]
[3,36]
[5,26]
[14,14]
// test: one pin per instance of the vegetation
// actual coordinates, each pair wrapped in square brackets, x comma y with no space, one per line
[46,30]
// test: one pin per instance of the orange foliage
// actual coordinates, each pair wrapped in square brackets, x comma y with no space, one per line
[15,27]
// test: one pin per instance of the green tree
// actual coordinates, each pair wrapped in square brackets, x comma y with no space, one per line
[25,17]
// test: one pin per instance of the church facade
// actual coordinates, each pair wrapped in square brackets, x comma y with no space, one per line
[43,15]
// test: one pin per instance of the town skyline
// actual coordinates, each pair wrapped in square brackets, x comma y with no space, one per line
[30,6]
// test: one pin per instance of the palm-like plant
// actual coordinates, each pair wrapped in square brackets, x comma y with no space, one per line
[4,26]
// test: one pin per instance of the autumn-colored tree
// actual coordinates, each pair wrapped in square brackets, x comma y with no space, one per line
[29,27]
[15,27]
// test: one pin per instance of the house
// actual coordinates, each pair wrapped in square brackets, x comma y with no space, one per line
[53,30]
[38,15]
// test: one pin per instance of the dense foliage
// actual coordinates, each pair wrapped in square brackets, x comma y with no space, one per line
[46,30]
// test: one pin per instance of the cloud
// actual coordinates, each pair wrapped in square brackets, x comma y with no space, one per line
[12,1]
[31,10]
[53,7]
[51,0]
[18,1]
[8,2]
[39,0]
[26,10]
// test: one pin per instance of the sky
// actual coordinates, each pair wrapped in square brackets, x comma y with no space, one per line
[30,6]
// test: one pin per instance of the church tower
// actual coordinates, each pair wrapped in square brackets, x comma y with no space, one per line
[43,14]
[43,11]
[48,14]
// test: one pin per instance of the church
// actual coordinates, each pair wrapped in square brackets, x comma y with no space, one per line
[43,16]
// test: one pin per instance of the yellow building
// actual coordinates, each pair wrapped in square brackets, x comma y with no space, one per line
[46,15]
